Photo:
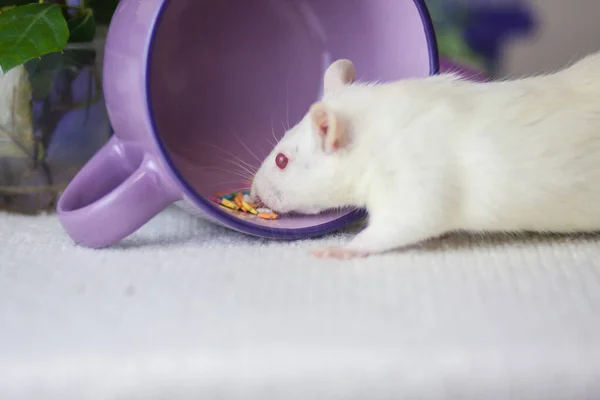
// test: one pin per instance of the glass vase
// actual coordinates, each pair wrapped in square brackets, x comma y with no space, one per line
[52,121]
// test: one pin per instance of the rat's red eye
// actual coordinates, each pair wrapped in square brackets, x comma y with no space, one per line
[281,160]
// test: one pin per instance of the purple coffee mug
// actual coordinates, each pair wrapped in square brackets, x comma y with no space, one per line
[198,91]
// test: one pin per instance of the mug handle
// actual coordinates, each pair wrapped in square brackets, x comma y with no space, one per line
[115,193]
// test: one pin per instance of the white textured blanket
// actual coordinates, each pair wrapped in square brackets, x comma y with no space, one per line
[188,310]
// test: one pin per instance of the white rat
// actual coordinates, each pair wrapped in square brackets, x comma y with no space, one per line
[439,154]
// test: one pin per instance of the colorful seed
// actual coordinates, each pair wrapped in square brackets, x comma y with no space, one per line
[270,215]
[229,196]
[229,204]
[238,199]
[249,207]
[241,201]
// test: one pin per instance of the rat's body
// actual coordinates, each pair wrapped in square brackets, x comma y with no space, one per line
[439,154]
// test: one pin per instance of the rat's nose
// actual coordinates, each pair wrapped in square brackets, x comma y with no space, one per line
[256,199]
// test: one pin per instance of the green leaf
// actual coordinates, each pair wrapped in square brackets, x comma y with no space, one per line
[30,31]
[8,3]
[82,28]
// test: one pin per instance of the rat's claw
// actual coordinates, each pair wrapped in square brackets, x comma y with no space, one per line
[339,253]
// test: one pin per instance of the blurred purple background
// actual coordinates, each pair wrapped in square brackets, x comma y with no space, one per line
[514,38]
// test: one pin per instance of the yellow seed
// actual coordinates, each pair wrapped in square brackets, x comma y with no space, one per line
[249,208]
[229,204]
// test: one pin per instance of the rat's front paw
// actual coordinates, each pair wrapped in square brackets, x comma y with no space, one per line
[339,253]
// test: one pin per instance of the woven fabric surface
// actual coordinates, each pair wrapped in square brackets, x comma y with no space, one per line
[185,309]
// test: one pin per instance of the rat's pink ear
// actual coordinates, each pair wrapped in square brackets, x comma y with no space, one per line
[339,74]
[329,127]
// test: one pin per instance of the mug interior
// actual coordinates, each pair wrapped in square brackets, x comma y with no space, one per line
[227,78]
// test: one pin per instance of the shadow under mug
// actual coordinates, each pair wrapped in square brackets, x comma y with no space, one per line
[197,90]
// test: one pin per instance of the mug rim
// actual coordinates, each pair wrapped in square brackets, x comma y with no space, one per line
[221,216]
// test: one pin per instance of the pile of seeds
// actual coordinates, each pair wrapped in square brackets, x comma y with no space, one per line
[241,201]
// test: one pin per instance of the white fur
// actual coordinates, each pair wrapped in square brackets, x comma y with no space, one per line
[439,154]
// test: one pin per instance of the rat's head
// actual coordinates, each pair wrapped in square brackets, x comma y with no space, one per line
[302,173]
